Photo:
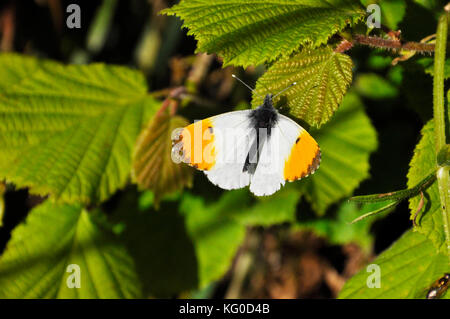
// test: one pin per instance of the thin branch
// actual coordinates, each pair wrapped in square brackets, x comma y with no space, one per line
[393,44]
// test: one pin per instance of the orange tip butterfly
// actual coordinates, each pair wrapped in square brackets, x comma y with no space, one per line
[261,148]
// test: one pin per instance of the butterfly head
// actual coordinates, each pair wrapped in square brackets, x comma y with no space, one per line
[268,102]
[265,116]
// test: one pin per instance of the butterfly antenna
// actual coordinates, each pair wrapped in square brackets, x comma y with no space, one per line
[248,86]
[282,91]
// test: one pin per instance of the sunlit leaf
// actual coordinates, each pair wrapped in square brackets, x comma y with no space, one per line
[322,78]
[423,164]
[69,131]
[252,32]
[407,270]
[35,262]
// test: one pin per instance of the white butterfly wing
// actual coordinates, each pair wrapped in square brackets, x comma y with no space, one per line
[290,153]
[233,137]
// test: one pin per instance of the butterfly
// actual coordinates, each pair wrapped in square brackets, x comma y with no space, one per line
[260,148]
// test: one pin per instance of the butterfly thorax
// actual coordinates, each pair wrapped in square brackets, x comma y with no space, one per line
[265,116]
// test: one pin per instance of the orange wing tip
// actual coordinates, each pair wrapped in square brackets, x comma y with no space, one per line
[304,159]
[315,163]
[312,168]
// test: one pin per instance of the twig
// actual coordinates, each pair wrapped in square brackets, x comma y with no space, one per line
[393,44]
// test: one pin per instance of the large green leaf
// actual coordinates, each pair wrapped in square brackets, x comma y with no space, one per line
[35,262]
[408,268]
[346,143]
[247,32]
[69,131]
[423,164]
[322,78]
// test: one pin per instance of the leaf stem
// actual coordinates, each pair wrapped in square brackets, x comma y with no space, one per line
[442,173]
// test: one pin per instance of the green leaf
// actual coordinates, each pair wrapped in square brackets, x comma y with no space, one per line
[69,131]
[428,66]
[340,231]
[34,264]
[374,86]
[430,4]
[408,269]
[218,229]
[392,12]
[423,164]
[100,26]
[247,32]
[346,143]
[270,210]
[164,253]
[153,167]
[378,62]
[215,236]
[322,78]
